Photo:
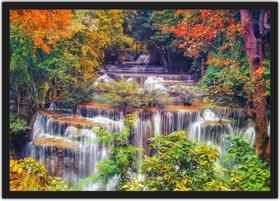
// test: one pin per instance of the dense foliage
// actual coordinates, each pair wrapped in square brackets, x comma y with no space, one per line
[146,27]
[122,161]
[17,126]
[252,173]
[180,164]
[29,175]
[60,56]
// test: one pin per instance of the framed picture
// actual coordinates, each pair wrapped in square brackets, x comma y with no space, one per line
[140,100]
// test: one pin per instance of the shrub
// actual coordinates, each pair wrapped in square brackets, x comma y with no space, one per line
[29,175]
[124,94]
[253,173]
[17,126]
[177,164]
[180,164]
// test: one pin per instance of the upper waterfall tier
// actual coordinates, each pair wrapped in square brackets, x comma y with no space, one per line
[140,73]
[141,77]
[134,68]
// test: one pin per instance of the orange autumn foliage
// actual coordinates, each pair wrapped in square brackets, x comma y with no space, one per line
[199,28]
[44,27]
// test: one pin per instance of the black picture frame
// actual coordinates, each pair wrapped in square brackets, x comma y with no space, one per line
[7,6]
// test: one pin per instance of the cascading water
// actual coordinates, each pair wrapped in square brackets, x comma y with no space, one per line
[66,148]
[209,128]
[250,133]
[110,125]
[140,77]
[65,143]
[157,123]
[102,79]
[90,111]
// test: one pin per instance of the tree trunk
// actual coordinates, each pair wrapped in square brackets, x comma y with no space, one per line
[168,58]
[254,55]
[154,57]
[202,63]
[163,56]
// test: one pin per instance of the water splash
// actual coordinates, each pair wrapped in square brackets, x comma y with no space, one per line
[209,128]
[154,83]
[103,79]
[250,133]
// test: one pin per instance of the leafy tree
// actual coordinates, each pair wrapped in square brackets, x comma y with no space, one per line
[150,96]
[201,31]
[254,39]
[225,85]
[45,28]
[145,27]
[29,175]
[187,94]
[178,164]
[36,77]
[100,32]
[59,53]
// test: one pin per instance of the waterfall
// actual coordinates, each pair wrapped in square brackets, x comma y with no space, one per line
[142,131]
[154,83]
[67,149]
[157,123]
[250,133]
[236,115]
[140,77]
[209,128]
[110,125]
[52,106]
[175,120]
[39,124]
[57,105]
[66,145]
[160,121]
[64,141]
[91,111]
[143,59]
[103,79]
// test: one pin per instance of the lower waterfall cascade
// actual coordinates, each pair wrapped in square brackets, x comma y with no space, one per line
[64,142]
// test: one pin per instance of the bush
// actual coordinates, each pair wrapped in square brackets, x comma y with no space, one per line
[126,95]
[29,175]
[187,94]
[17,126]
[253,173]
[180,164]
